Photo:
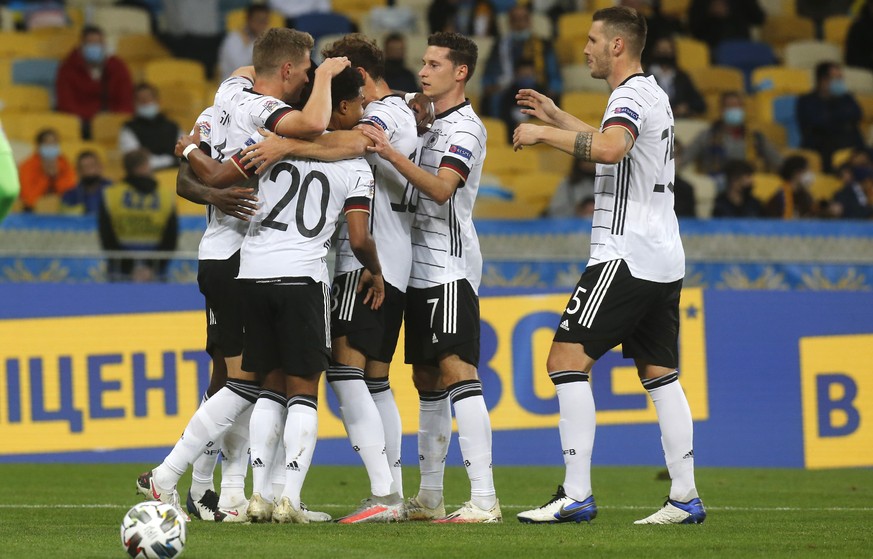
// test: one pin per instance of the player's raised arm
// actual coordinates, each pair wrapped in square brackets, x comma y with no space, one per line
[544,108]
[311,122]
[334,146]
[609,146]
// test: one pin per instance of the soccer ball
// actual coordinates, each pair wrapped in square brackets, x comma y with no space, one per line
[153,530]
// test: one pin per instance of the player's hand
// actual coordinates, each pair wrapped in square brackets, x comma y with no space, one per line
[236,201]
[537,105]
[381,145]
[375,286]
[186,140]
[266,152]
[525,135]
[332,66]
[422,106]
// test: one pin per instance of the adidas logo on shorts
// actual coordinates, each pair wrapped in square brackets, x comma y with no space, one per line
[435,340]
[565,325]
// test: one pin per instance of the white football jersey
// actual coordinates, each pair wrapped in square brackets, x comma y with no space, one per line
[393,203]
[445,246]
[633,216]
[224,234]
[299,204]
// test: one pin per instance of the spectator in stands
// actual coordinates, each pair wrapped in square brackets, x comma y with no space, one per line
[737,199]
[150,129]
[519,44]
[859,41]
[684,199]
[45,172]
[793,199]
[294,8]
[714,21]
[135,215]
[475,18]
[85,197]
[576,187]
[685,100]
[194,30]
[855,199]
[10,187]
[509,110]
[236,49]
[730,138]
[658,25]
[829,117]
[397,75]
[90,80]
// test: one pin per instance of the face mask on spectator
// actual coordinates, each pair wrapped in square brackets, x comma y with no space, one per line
[838,87]
[93,53]
[148,111]
[49,151]
[734,116]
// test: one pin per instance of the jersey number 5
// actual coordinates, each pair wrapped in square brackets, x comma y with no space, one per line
[293,188]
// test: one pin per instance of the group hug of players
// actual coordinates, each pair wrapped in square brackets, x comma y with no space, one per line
[279,172]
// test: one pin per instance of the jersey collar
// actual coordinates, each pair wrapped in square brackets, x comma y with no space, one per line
[627,79]
[453,109]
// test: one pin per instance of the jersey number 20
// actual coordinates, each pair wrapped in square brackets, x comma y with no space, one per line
[293,188]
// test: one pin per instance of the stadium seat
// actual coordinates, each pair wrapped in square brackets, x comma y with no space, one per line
[5,72]
[105,128]
[535,187]
[235,20]
[773,131]
[18,45]
[485,45]
[24,126]
[785,114]
[841,156]
[189,208]
[745,56]
[687,129]
[496,130]
[806,54]
[825,186]
[691,54]
[36,71]
[779,79]
[675,8]
[503,162]
[73,149]
[551,159]
[167,180]
[343,6]
[858,80]
[175,72]
[574,24]
[121,20]
[140,48]
[717,79]
[705,191]
[541,25]
[24,98]
[836,28]
[778,7]
[47,204]
[866,102]
[586,105]
[765,185]
[56,43]
[577,77]
[778,31]
[320,24]
[326,40]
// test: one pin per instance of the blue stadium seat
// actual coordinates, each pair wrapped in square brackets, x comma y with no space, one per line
[745,56]
[320,24]
[785,113]
[36,71]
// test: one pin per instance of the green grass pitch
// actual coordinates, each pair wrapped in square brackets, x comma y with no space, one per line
[60,510]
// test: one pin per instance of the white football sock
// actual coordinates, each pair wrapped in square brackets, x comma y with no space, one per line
[204,466]
[235,461]
[363,424]
[677,433]
[577,425]
[265,432]
[277,472]
[207,425]
[434,435]
[301,434]
[474,436]
[387,406]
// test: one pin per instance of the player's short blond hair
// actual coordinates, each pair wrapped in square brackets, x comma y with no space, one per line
[279,45]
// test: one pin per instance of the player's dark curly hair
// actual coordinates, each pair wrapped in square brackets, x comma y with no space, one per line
[624,22]
[361,52]
[345,86]
[462,50]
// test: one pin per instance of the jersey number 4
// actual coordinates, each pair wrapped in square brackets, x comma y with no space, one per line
[303,188]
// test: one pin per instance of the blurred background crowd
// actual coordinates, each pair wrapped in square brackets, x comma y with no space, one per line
[773,99]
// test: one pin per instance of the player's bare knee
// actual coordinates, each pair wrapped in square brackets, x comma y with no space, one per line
[426,379]
[376,369]
[568,357]
[306,386]
[453,369]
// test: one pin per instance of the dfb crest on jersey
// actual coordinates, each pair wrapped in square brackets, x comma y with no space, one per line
[433,138]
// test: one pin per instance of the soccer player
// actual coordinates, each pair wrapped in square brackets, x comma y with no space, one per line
[442,302]
[364,340]
[629,292]
[281,61]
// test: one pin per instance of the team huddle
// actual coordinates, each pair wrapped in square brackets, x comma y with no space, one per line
[291,158]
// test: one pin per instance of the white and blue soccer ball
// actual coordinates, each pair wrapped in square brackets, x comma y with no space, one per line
[153,530]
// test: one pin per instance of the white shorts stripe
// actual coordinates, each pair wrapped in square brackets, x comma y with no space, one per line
[326,292]
[586,318]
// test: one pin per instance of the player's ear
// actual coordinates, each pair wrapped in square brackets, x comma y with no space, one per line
[461,72]
[343,108]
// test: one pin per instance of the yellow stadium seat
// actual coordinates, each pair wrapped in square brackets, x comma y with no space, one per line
[140,48]
[717,79]
[765,185]
[836,28]
[780,30]
[571,50]
[587,106]
[24,98]
[691,54]
[106,127]
[175,71]
[167,179]
[779,7]
[841,156]
[5,72]
[503,161]
[25,126]
[705,191]
[235,20]
[772,131]
[688,129]
[858,80]
[495,208]
[807,54]
[496,129]
[782,80]
[121,20]
[675,8]
[577,77]
[343,6]
[73,149]
[553,159]
[812,156]
[47,204]
[187,207]
[574,24]
[825,186]
[866,103]
[533,187]
[18,45]
[53,42]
